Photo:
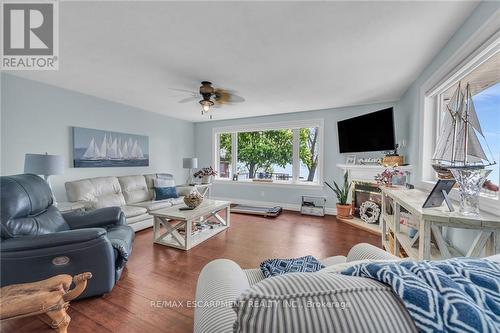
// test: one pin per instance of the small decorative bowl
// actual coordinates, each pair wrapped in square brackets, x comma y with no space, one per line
[193,199]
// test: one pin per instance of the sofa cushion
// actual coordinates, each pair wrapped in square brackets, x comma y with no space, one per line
[140,219]
[96,192]
[131,211]
[154,205]
[162,193]
[255,275]
[134,189]
[320,302]
[163,182]
[150,181]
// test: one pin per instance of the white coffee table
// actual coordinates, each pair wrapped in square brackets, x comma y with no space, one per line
[169,223]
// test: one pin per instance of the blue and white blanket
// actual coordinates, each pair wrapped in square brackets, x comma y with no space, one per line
[454,295]
[272,267]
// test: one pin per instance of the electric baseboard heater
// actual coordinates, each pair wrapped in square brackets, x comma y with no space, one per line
[254,210]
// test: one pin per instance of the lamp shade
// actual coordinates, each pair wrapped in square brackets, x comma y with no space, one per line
[44,164]
[189,162]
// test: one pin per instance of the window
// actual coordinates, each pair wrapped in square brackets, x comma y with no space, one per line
[482,76]
[308,154]
[225,157]
[284,153]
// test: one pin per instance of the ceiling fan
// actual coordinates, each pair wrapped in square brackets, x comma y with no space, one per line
[211,97]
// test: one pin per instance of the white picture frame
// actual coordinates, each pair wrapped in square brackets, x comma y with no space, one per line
[350,159]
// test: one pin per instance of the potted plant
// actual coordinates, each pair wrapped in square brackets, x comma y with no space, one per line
[206,175]
[342,193]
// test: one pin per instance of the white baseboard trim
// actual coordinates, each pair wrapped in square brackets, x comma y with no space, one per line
[286,206]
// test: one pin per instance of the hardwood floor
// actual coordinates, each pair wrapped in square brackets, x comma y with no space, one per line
[156,272]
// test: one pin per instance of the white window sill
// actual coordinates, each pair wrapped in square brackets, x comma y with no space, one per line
[276,183]
[487,204]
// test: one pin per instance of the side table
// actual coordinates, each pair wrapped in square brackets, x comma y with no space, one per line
[50,297]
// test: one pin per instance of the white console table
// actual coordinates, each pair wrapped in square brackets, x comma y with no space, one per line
[430,223]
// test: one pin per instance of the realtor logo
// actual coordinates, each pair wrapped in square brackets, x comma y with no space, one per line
[30,36]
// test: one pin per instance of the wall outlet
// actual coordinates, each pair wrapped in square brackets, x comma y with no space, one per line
[262,193]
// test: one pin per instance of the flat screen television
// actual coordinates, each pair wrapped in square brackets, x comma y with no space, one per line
[370,132]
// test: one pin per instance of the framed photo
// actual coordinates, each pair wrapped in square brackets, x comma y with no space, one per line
[439,194]
[350,159]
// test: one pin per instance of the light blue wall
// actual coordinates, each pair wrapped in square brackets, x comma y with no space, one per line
[412,102]
[37,118]
[284,195]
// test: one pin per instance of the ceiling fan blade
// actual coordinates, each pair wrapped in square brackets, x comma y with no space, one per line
[236,99]
[184,90]
[223,96]
[188,99]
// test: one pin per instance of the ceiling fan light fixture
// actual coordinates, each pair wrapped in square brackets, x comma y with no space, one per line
[205,105]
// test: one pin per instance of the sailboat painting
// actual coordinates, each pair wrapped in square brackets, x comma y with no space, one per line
[93,148]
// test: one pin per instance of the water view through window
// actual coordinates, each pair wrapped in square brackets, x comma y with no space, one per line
[487,104]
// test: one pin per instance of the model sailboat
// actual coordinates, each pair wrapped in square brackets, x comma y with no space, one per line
[458,145]
[459,153]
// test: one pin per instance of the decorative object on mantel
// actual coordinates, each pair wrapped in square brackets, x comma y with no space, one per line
[370,161]
[193,199]
[350,159]
[393,158]
[189,163]
[342,193]
[206,175]
[50,297]
[459,151]
[369,212]
[93,148]
[45,165]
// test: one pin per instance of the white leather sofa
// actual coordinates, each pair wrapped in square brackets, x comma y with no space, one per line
[133,194]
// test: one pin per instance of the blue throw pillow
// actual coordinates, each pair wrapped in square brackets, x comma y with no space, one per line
[162,193]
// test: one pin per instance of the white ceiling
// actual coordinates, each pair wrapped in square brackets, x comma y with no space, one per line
[281,56]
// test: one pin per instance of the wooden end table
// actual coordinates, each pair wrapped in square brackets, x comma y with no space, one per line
[173,227]
[50,297]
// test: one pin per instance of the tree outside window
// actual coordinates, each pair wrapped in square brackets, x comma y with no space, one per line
[269,154]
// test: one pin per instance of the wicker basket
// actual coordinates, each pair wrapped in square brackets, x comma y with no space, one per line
[393,160]
[193,199]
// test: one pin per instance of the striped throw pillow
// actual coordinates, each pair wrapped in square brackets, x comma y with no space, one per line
[320,302]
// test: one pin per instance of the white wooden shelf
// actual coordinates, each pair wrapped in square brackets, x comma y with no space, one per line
[430,224]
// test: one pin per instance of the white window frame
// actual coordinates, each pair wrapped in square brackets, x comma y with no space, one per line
[292,125]
[430,92]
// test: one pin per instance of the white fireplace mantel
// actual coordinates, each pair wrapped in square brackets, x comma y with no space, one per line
[367,172]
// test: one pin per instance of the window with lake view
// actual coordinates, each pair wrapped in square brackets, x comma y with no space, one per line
[281,155]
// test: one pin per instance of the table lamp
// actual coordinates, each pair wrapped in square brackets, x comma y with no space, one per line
[45,165]
[190,163]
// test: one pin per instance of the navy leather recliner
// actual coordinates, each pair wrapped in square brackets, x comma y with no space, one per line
[38,242]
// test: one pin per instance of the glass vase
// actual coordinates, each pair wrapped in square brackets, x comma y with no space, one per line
[471,181]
